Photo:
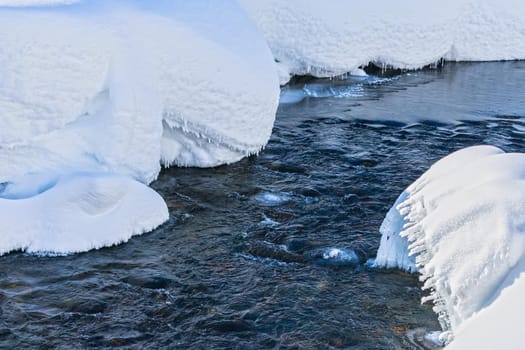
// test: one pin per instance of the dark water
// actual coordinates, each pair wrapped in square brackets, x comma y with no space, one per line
[245,261]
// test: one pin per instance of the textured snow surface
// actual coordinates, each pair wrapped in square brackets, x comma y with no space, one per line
[125,86]
[120,87]
[332,37]
[464,222]
[49,213]
[175,69]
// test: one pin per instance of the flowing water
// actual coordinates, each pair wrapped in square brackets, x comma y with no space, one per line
[270,252]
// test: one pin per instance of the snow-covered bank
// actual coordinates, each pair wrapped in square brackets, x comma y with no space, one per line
[121,87]
[76,213]
[125,86]
[206,82]
[463,222]
[328,38]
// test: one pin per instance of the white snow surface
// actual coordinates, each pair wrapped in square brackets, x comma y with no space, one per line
[463,222]
[116,88]
[121,87]
[332,37]
[75,213]
[178,82]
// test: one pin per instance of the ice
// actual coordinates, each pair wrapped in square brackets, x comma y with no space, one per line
[434,338]
[76,213]
[351,87]
[339,254]
[328,38]
[393,250]
[464,223]
[334,256]
[273,198]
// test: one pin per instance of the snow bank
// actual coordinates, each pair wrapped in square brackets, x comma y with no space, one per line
[206,83]
[463,221]
[75,213]
[121,87]
[327,38]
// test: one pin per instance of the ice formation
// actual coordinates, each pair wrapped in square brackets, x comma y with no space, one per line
[327,38]
[463,223]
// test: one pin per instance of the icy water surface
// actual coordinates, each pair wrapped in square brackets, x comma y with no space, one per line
[269,253]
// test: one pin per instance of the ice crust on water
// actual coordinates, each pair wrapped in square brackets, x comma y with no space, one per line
[333,37]
[463,224]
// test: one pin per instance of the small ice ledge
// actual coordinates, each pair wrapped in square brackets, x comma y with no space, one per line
[462,226]
[55,214]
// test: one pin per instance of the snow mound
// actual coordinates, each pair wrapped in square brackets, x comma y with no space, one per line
[328,38]
[48,213]
[120,87]
[463,225]
[177,84]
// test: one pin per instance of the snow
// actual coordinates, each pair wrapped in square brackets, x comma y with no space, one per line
[464,222]
[334,256]
[272,198]
[119,88]
[341,255]
[56,61]
[498,326]
[76,213]
[328,38]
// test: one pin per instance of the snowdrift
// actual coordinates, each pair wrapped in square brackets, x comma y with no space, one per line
[333,37]
[462,226]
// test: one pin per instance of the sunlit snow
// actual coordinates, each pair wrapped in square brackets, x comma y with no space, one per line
[462,226]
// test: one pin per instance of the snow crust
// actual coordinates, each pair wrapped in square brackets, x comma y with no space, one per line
[463,224]
[328,38]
